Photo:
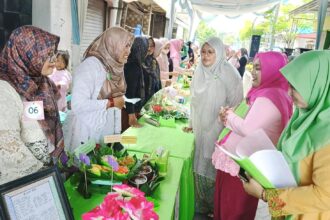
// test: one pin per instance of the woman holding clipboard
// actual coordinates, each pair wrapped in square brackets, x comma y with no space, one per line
[305,143]
[270,108]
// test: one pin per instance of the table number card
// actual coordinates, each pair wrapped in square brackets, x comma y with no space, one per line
[33,110]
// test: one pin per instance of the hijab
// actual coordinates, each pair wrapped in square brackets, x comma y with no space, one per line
[210,89]
[175,48]
[273,85]
[152,73]
[308,130]
[21,63]
[137,56]
[158,47]
[107,48]
[138,51]
[162,58]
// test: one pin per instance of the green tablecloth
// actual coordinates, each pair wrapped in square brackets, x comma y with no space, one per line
[180,145]
[165,194]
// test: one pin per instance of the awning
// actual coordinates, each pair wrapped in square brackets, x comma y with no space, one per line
[155,6]
[307,36]
[232,7]
[310,7]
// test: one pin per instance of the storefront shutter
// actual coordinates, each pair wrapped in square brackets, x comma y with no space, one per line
[94,23]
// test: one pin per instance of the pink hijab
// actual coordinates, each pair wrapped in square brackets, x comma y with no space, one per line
[273,84]
[162,58]
[175,48]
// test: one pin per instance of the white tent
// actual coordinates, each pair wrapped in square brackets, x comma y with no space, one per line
[232,7]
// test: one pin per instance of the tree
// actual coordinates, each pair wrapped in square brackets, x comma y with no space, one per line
[204,32]
[229,39]
[250,28]
[286,27]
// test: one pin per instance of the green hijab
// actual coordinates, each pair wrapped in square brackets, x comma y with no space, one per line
[309,129]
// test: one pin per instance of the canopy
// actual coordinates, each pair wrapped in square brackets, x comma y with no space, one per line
[232,7]
[320,6]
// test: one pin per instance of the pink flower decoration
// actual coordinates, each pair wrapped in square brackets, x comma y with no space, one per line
[126,204]
[127,190]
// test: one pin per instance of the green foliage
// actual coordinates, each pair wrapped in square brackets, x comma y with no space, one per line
[247,31]
[229,39]
[286,26]
[204,32]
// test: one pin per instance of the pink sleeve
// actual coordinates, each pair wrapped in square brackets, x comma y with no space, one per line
[262,114]
[176,65]
[164,75]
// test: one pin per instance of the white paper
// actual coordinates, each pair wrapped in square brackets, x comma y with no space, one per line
[228,152]
[263,154]
[272,164]
[256,141]
[132,100]
[37,201]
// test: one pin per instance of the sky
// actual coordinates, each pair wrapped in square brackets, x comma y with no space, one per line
[227,25]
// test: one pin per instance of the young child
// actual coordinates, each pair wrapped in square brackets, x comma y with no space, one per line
[62,78]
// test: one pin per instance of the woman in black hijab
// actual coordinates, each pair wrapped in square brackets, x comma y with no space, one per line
[134,77]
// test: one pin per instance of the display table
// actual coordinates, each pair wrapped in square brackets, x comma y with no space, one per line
[165,194]
[180,145]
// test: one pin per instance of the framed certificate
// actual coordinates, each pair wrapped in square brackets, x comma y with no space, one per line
[39,196]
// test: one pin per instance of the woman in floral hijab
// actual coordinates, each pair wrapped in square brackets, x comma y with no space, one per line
[26,145]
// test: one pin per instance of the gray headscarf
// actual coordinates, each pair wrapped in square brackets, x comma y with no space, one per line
[212,87]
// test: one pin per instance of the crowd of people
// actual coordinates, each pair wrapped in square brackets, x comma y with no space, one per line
[118,66]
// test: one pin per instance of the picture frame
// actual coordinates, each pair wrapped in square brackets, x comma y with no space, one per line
[40,195]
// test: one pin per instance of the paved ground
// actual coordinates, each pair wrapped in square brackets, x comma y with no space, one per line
[262,213]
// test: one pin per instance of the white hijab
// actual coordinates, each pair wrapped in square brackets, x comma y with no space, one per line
[212,87]
[205,74]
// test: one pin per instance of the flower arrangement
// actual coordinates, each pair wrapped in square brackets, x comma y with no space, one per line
[110,165]
[125,203]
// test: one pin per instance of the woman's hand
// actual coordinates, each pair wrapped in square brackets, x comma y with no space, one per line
[132,121]
[168,83]
[187,129]
[223,113]
[174,73]
[119,102]
[253,188]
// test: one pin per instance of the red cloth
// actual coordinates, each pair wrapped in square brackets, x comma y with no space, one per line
[231,202]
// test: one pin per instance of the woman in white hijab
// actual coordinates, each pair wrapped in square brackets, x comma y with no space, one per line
[216,83]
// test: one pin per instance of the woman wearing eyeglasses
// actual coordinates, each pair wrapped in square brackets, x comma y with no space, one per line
[30,130]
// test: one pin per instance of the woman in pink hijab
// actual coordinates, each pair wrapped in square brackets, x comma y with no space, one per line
[270,108]
[175,54]
[175,48]
[161,50]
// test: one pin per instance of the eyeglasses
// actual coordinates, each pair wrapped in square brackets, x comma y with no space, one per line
[52,57]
